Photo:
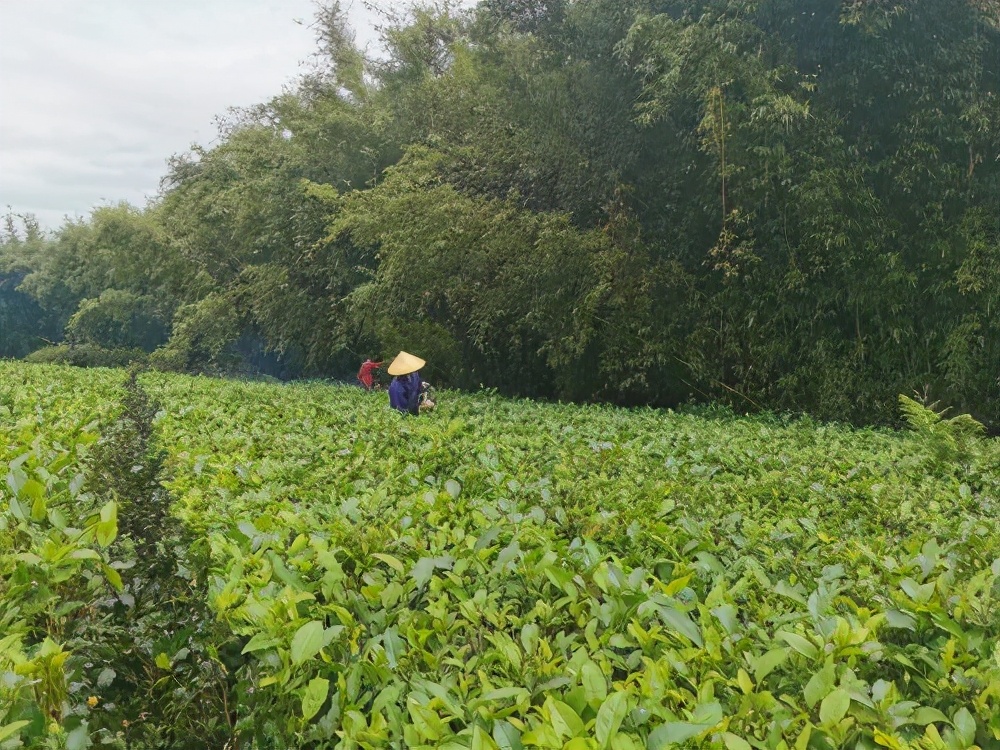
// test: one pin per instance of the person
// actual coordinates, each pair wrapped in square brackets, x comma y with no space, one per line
[404,391]
[366,375]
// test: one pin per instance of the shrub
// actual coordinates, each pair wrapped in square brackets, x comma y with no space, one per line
[86,355]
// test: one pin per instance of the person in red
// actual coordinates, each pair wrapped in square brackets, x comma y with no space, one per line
[366,375]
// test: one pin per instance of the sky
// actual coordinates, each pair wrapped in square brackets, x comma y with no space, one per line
[95,95]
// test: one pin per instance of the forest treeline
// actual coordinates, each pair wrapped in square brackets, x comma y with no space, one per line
[780,204]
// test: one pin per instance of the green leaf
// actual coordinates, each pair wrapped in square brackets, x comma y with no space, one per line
[114,578]
[801,644]
[918,592]
[314,697]
[307,642]
[595,685]
[393,645]
[564,719]
[391,561]
[834,706]
[622,741]
[680,622]
[105,532]
[78,739]
[674,733]
[768,663]
[896,619]
[610,717]
[481,740]
[727,615]
[426,721]
[542,735]
[9,730]
[33,490]
[820,685]
[39,509]
[506,736]
[784,589]
[18,510]
[707,713]
[744,681]
[734,742]
[424,568]
[927,715]
[106,677]
[259,642]
[706,716]
[965,727]
[162,661]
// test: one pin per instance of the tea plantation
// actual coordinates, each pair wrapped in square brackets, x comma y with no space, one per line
[247,565]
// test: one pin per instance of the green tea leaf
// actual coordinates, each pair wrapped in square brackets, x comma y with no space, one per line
[393,645]
[9,730]
[391,561]
[965,726]
[680,622]
[610,717]
[674,733]
[113,577]
[820,684]
[506,736]
[106,677]
[565,721]
[734,742]
[595,685]
[33,490]
[481,740]
[314,697]
[927,715]
[767,663]
[78,739]
[801,644]
[834,706]
[260,642]
[307,642]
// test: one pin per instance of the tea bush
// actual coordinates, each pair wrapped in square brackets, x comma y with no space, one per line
[507,574]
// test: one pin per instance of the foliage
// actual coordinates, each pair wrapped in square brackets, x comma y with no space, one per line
[951,439]
[204,333]
[126,466]
[55,570]
[24,325]
[80,666]
[86,355]
[509,574]
[116,320]
[777,204]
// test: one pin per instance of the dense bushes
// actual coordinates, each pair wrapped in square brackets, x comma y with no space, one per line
[99,583]
[495,574]
[86,355]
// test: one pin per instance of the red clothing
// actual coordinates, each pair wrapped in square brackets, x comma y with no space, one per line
[367,373]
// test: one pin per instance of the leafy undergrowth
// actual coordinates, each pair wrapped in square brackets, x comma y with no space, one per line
[497,574]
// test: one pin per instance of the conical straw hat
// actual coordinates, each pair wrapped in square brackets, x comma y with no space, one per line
[405,363]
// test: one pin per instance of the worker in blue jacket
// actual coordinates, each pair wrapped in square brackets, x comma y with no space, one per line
[404,391]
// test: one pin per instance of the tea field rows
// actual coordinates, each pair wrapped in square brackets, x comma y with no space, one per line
[496,574]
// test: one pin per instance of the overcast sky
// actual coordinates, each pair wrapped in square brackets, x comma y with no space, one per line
[96,94]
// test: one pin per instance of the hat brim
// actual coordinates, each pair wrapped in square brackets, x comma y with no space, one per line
[404,364]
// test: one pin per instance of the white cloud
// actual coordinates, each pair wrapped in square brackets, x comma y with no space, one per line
[96,94]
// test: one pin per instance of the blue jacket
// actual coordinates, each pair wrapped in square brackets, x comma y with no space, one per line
[404,393]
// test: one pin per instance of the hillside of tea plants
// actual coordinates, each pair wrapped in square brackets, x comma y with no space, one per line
[190,562]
